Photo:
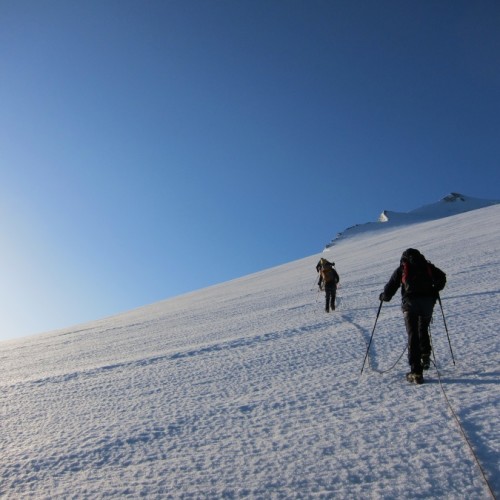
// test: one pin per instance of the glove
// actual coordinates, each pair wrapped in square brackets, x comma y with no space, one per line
[383,297]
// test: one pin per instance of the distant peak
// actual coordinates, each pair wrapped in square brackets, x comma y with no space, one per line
[384,216]
[454,197]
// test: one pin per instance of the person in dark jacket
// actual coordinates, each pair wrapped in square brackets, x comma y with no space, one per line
[420,283]
[328,280]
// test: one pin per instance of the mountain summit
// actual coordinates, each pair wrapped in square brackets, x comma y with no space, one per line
[451,204]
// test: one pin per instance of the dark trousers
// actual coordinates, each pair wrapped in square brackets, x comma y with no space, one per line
[418,315]
[330,292]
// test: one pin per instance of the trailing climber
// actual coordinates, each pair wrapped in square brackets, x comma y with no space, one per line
[328,280]
[420,283]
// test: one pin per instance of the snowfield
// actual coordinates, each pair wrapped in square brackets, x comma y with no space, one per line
[249,389]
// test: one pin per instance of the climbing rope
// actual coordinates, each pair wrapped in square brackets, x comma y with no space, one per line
[389,369]
[462,431]
[454,414]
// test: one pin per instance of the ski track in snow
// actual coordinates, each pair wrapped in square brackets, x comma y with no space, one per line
[248,389]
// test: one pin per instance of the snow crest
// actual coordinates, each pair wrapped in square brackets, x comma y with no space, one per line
[452,204]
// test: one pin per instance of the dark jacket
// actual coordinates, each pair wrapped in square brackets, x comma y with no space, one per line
[433,286]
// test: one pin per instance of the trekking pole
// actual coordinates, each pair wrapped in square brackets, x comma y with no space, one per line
[315,282]
[432,347]
[446,327]
[371,337]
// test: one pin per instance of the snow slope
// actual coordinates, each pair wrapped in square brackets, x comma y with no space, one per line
[249,389]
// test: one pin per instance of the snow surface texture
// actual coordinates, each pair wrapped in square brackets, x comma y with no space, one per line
[249,389]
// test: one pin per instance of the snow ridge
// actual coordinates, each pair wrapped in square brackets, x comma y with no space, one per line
[451,204]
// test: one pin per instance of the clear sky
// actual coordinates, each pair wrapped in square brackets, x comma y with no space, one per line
[151,148]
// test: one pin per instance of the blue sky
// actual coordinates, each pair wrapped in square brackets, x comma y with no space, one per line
[151,148]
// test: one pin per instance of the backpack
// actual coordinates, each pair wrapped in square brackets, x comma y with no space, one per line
[419,276]
[327,272]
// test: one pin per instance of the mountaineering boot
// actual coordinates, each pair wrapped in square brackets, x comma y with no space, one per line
[415,378]
[426,361]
